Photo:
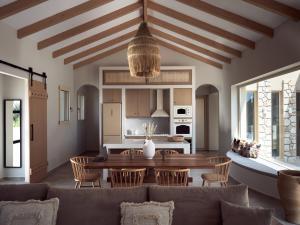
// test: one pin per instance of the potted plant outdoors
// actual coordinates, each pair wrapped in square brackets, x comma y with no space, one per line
[149,146]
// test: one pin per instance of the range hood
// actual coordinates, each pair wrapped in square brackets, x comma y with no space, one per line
[159,112]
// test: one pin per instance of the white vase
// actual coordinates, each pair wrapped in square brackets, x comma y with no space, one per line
[149,149]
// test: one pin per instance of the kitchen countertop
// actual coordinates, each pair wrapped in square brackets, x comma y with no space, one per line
[138,143]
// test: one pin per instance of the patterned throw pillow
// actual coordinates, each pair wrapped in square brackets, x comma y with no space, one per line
[31,212]
[147,213]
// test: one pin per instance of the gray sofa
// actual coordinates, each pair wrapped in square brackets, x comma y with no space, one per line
[193,205]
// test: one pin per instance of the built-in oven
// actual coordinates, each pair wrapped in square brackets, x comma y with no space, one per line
[183,111]
[183,127]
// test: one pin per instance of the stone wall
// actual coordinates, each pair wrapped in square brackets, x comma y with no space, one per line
[264,97]
[289,120]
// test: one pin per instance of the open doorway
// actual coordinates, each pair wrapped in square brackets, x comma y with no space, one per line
[14,150]
[88,118]
[207,118]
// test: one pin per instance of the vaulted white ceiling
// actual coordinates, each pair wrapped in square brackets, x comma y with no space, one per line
[239,7]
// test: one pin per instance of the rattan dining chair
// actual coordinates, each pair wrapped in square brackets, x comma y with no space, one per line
[166,152]
[134,152]
[82,175]
[127,177]
[221,171]
[171,177]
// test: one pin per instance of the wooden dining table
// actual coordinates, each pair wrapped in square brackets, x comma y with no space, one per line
[117,161]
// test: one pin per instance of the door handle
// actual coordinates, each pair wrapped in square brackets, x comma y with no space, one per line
[31,133]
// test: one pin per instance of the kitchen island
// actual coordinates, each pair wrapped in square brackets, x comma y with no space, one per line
[138,144]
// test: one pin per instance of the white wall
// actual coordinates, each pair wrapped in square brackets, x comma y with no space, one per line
[61,138]
[12,88]
[205,74]
[270,54]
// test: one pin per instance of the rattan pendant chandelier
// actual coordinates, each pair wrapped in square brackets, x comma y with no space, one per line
[143,53]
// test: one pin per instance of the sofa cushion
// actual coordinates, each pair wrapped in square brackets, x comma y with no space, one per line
[94,206]
[30,212]
[23,192]
[154,213]
[233,214]
[197,205]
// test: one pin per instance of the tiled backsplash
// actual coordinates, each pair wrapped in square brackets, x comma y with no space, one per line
[134,126]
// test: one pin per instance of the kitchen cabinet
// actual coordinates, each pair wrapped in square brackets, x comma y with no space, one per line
[183,96]
[166,77]
[121,77]
[112,96]
[172,77]
[138,103]
[111,120]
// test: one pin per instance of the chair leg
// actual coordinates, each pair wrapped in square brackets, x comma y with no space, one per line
[76,184]
[93,185]
[79,186]
[99,183]
[203,183]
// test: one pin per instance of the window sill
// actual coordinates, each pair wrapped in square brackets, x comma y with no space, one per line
[259,165]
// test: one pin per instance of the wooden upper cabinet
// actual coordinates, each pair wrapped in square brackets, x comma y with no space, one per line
[112,96]
[173,77]
[120,77]
[144,103]
[138,103]
[132,103]
[183,96]
[167,77]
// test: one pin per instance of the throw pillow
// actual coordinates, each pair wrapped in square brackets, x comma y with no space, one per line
[31,212]
[147,213]
[236,215]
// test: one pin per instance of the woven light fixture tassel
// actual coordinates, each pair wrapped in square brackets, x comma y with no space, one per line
[143,54]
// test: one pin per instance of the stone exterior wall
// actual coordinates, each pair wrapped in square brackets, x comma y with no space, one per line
[264,97]
[289,120]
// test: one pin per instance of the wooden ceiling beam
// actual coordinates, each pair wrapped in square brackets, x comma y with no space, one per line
[277,7]
[100,56]
[17,6]
[190,45]
[189,54]
[201,25]
[96,37]
[60,17]
[88,25]
[145,8]
[99,47]
[194,36]
[229,16]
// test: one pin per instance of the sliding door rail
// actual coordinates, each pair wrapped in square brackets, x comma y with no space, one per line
[29,70]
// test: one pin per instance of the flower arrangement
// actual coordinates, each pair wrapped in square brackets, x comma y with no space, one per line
[149,129]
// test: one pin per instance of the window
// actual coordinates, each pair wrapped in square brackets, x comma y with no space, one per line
[250,115]
[80,107]
[12,133]
[270,115]
[64,105]
[275,123]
